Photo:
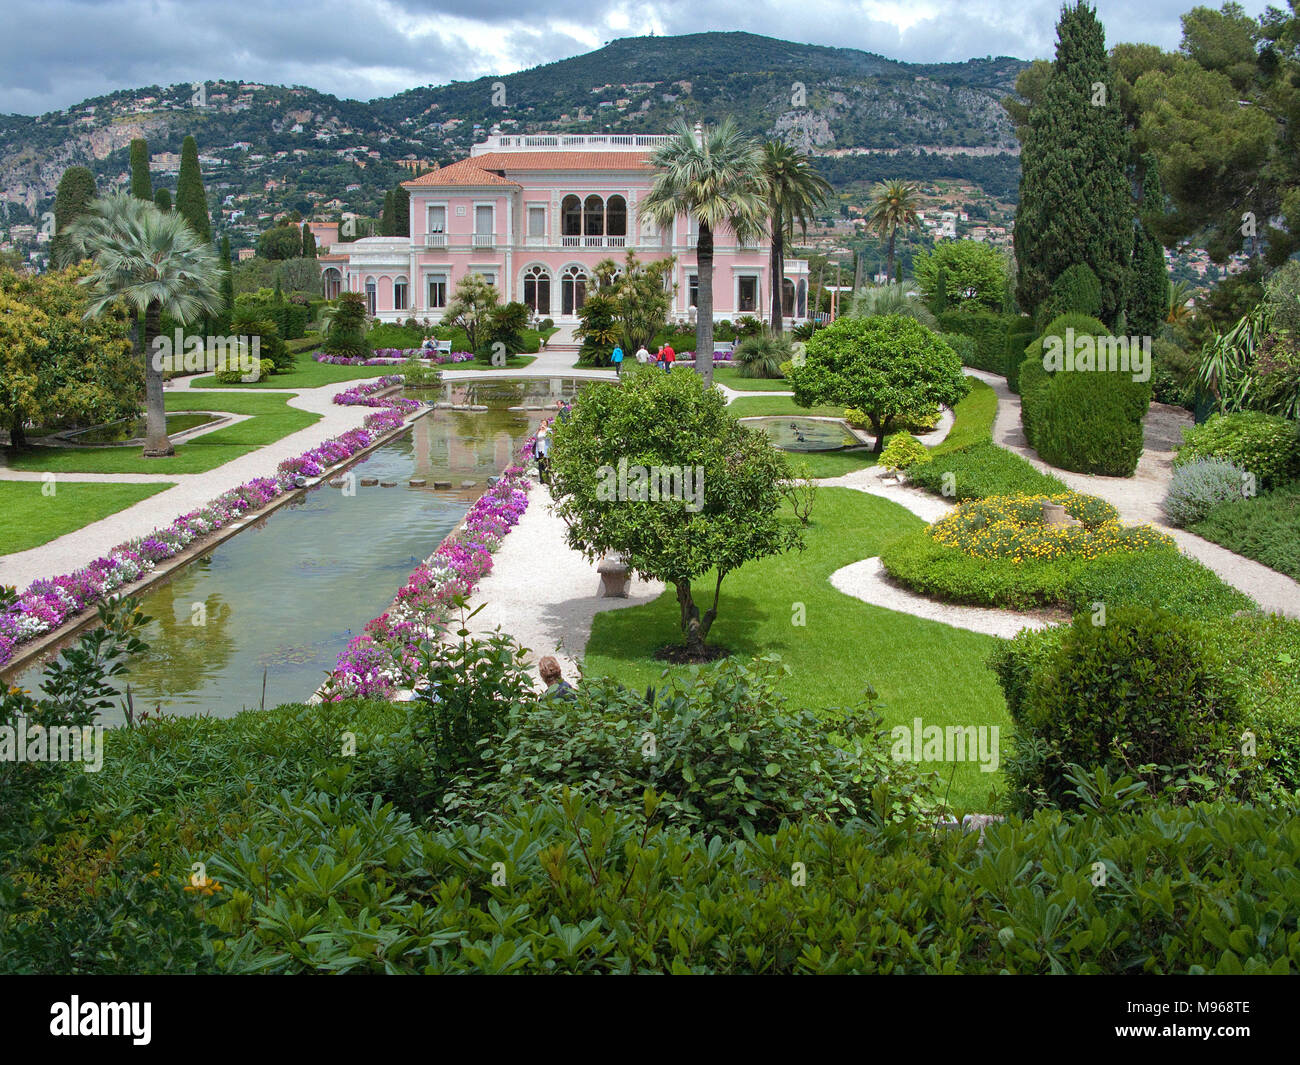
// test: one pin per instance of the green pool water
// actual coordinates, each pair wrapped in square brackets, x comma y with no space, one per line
[804,434]
[282,599]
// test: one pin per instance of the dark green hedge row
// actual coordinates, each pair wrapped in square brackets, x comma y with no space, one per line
[1000,339]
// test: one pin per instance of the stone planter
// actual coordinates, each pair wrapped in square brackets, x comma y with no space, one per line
[614,577]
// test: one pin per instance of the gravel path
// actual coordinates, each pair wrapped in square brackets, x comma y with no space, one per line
[544,593]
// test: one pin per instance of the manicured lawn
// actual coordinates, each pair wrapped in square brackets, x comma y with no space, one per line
[919,668]
[308,373]
[832,463]
[29,517]
[1265,528]
[271,420]
[766,406]
[730,376]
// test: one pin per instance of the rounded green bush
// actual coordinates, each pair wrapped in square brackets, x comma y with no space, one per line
[1091,422]
[1262,444]
[903,451]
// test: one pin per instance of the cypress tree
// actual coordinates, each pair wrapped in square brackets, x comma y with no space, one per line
[141,181]
[1075,205]
[227,283]
[75,193]
[308,242]
[1149,287]
[386,216]
[163,198]
[191,200]
[401,212]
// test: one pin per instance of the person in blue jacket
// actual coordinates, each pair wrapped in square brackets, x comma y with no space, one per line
[617,359]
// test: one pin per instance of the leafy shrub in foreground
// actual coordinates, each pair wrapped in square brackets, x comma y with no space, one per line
[1197,487]
[981,470]
[1263,444]
[903,451]
[1143,695]
[1089,421]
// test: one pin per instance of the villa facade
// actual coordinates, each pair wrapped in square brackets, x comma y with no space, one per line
[534,215]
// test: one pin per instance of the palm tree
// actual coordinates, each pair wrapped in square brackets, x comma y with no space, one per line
[1179,293]
[893,207]
[794,190]
[713,176]
[905,299]
[156,265]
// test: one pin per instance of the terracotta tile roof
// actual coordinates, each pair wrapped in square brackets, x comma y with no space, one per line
[479,170]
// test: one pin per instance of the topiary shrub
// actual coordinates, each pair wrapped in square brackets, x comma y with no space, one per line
[1197,487]
[903,451]
[346,335]
[1091,422]
[964,346]
[1143,695]
[1262,444]
[1081,324]
[1076,291]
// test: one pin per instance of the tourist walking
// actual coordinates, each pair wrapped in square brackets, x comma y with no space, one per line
[542,452]
[669,357]
[642,356]
[617,359]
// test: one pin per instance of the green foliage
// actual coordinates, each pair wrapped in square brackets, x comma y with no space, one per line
[1173,373]
[1263,444]
[507,326]
[971,275]
[903,451]
[191,200]
[663,422]
[473,308]
[1157,577]
[890,367]
[270,344]
[74,196]
[1075,205]
[1148,293]
[416,373]
[141,179]
[1076,291]
[1196,487]
[392,335]
[980,470]
[964,346]
[876,300]
[346,333]
[280,242]
[762,355]
[1265,528]
[989,332]
[1090,422]
[1142,696]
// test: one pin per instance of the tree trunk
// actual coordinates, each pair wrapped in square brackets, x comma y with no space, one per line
[694,626]
[156,444]
[881,427]
[778,271]
[17,437]
[889,270]
[704,305]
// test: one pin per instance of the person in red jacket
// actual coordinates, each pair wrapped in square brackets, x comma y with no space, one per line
[669,357]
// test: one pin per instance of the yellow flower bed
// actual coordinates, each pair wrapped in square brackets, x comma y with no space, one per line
[1011,527]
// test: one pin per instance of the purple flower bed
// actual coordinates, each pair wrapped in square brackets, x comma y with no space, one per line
[47,604]
[387,356]
[384,655]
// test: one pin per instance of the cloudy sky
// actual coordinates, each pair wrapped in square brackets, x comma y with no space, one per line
[54,53]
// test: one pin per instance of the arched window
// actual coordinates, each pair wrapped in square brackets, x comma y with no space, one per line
[571,217]
[400,290]
[593,217]
[371,296]
[573,290]
[537,290]
[787,298]
[333,282]
[616,217]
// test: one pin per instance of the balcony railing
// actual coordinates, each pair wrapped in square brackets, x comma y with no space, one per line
[593,242]
[484,240]
[435,240]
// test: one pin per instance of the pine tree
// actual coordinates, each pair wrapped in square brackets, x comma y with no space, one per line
[401,212]
[75,193]
[163,198]
[191,200]
[308,242]
[1148,303]
[1075,205]
[386,216]
[141,181]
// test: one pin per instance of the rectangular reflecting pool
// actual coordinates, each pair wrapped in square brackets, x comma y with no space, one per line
[280,600]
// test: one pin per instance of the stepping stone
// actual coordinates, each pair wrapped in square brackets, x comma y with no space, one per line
[441,484]
[417,482]
[468,484]
[387,484]
[444,405]
[477,407]
[516,410]
[337,482]
[369,482]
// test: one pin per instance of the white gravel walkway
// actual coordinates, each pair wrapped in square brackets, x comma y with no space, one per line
[544,593]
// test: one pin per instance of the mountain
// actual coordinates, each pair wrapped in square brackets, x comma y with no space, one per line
[269,147]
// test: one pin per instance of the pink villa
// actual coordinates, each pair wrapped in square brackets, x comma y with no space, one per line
[534,215]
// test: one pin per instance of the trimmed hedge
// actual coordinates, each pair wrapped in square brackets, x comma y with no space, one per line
[981,470]
[1091,422]
[996,338]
